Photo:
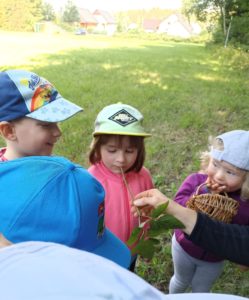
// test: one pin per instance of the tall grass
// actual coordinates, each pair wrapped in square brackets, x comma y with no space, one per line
[186,92]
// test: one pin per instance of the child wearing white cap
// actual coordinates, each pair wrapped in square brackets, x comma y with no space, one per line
[30,107]
[117,156]
[226,169]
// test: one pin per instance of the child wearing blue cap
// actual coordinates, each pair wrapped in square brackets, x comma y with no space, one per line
[225,170]
[30,107]
[117,156]
[47,198]
[51,199]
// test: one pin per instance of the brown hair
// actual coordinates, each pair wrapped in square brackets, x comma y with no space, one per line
[135,141]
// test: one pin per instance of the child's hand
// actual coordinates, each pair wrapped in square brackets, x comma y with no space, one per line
[215,187]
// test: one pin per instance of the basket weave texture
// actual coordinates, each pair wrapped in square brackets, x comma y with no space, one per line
[218,207]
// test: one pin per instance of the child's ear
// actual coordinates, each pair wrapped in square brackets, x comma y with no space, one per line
[7,130]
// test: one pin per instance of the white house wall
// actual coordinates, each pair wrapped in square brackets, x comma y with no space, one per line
[174,28]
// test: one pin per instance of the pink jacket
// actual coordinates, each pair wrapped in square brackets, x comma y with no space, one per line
[118,217]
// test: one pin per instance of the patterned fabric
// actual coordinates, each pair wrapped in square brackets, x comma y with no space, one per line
[24,93]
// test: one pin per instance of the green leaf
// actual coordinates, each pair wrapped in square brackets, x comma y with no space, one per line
[134,237]
[146,248]
[156,212]
[163,224]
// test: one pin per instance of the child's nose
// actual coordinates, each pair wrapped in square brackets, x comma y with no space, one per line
[219,175]
[121,156]
[56,131]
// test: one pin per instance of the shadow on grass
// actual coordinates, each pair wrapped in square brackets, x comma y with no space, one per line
[183,92]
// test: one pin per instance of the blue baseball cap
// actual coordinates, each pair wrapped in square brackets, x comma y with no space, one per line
[26,94]
[236,149]
[54,200]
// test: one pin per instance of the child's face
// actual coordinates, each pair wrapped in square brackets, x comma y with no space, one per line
[225,174]
[33,137]
[117,154]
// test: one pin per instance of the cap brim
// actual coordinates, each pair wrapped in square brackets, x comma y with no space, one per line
[114,249]
[143,134]
[56,111]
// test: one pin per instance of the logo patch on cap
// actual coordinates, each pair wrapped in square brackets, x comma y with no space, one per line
[101,220]
[123,118]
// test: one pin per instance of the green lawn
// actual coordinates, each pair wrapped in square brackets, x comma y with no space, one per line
[186,92]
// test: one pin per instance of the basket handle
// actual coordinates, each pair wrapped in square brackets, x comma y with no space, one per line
[203,184]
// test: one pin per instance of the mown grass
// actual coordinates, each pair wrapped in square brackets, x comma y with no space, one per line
[186,92]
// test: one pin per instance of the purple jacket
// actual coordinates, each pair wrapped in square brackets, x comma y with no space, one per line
[186,190]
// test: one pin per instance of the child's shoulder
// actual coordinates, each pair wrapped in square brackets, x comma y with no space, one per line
[144,169]
[95,168]
[144,172]
[196,178]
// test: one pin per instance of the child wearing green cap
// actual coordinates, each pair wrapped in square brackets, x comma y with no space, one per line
[117,155]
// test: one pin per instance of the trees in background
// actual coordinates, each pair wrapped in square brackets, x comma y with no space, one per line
[228,20]
[232,17]
[71,13]
[48,12]
[22,15]
[19,15]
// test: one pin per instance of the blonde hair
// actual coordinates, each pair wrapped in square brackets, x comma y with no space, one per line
[135,141]
[205,157]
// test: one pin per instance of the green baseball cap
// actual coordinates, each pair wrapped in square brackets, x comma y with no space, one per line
[120,119]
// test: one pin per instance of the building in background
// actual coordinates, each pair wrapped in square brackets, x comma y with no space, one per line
[87,20]
[175,25]
[151,25]
[100,21]
[105,21]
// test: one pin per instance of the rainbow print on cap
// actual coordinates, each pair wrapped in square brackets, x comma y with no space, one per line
[44,94]
[26,94]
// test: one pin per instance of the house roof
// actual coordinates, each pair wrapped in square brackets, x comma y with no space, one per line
[86,17]
[106,15]
[151,24]
[183,21]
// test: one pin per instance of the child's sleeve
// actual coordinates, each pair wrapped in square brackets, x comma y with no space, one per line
[187,189]
[230,241]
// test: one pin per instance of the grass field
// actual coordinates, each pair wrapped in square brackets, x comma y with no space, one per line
[186,92]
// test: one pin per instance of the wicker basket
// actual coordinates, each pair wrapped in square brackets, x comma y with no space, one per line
[219,207]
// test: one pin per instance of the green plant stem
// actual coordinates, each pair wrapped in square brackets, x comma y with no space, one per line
[131,195]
